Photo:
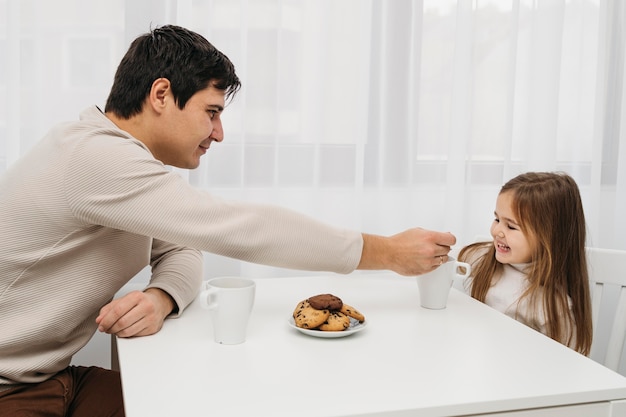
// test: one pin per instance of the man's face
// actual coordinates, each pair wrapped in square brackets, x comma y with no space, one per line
[185,135]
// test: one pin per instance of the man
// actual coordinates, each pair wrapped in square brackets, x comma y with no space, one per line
[93,203]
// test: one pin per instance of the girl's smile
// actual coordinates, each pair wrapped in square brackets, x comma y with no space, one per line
[510,241]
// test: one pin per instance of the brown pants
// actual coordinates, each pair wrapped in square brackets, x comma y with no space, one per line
[77,391]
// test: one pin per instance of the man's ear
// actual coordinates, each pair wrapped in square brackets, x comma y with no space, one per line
[160,94]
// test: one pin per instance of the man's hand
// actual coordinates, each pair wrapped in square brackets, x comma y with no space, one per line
[412,252]
[136,314]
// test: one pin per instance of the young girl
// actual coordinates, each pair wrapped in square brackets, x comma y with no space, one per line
[535,269]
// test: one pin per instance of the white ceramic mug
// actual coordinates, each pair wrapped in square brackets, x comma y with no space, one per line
[230,300]
[434,286]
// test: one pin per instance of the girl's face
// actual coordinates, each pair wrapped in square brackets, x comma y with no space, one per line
[512,245]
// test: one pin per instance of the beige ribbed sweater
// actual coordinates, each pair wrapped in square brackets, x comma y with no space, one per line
[88,207]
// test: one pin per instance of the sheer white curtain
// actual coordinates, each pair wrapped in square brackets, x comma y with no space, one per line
[375,115]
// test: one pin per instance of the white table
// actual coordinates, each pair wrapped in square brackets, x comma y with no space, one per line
[409,361]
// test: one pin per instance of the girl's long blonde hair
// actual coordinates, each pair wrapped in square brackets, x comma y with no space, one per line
[550,213]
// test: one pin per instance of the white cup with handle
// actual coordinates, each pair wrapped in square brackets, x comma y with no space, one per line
[434,287]
[230,300]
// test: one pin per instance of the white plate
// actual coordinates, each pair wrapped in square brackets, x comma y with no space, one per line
[355,327]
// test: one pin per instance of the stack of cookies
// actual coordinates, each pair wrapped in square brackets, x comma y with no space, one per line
[325,312]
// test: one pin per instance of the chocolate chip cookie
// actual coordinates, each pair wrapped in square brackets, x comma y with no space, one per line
[336,322]
[307,317]
[352,312]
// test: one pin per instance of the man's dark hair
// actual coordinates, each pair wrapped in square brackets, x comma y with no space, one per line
[184,57]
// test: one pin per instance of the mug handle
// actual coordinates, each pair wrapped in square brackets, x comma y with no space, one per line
[207,299]
[468,269]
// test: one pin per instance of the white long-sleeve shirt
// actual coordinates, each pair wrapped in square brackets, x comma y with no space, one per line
[505,295]
[89,206]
